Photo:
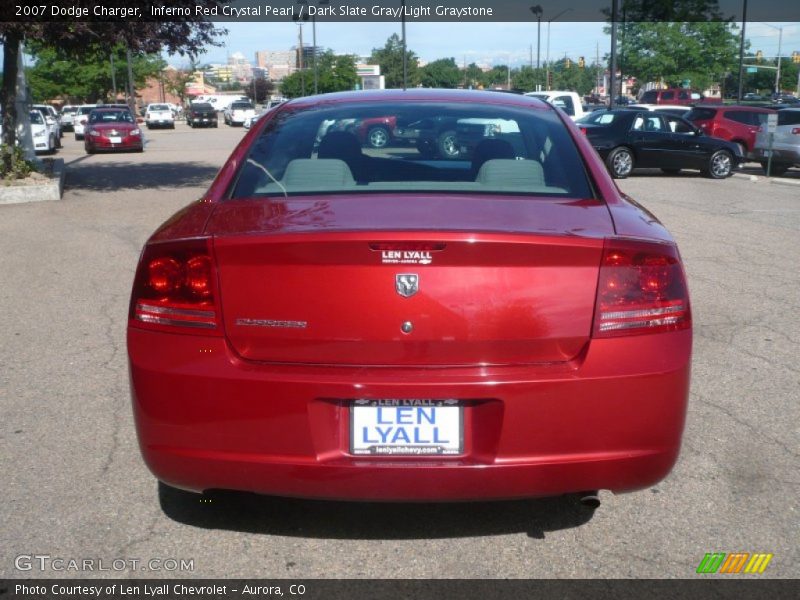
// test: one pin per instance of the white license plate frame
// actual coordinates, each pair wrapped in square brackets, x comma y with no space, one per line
[420,429]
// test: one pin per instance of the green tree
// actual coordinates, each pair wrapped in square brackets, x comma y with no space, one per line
[496,76]
[441,73]
[259,90]
[573,78]
[390,58]
[474,76]
[57,74]
[527,78]
[701,52]
[335,73]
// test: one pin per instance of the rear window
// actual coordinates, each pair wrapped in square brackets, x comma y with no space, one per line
[701,114]
[598,117]
[69,109]
[649,97]
[241,106]
[111,116]
[85,110]
[789,117]
[427,147]
[158,107]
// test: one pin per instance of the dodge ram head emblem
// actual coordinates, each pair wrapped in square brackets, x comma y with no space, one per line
[406,284]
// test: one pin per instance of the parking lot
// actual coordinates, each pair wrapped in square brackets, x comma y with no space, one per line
[75,486]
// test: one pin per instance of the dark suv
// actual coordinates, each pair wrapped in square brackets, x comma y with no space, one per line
[201,114]
[737,124]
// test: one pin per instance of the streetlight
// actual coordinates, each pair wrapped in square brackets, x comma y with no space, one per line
[299,23]
[547,60]
[741,52]
[778,72]
[537,10]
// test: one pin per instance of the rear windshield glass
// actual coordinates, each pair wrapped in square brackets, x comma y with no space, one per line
[85,110]
[202,106]
[599,117]
[789,117]
[69,109]
[383,147]
[241,105]
[159,107]
[110,116]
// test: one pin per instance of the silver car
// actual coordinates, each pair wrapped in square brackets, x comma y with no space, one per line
[785,143]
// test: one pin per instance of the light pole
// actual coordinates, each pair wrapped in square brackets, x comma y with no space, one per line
[547,55]
[403,31]
[297,19]
[537,10]
[778,72]
[613,75]
[741,52]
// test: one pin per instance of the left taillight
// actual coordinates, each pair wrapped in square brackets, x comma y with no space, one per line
[175,289]
[641,289]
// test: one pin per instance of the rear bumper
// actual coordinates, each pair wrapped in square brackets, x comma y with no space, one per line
[129,143]
[789,154]
[208,420]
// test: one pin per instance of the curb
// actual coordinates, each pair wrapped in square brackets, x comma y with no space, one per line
[770,180]
[44,192]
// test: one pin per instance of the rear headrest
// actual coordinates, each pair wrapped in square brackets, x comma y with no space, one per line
[511,173]
[317,173]
[339,144]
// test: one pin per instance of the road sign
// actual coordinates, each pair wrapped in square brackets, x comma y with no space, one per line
[772,122]
[752,69]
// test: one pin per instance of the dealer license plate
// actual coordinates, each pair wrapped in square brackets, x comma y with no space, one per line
[115,140]
[392,427]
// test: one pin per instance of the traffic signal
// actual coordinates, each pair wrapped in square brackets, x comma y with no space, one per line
[567,63]
[759,56]
[581,62]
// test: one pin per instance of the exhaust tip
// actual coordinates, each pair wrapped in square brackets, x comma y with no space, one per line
[590,499]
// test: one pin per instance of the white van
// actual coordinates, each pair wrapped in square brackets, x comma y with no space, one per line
[569,102]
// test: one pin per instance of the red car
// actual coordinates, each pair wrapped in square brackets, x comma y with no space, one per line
[377,132]
[112,129]
[737,124]
[327,324]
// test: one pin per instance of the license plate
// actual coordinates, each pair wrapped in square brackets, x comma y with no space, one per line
[115,140]
[765,153]
[392,427]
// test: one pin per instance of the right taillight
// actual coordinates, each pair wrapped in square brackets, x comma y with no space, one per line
[641,289]
[175,289]
[796,130]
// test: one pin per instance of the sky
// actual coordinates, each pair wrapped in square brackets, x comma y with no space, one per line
[482,43]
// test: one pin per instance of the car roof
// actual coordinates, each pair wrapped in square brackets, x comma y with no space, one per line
[421,95]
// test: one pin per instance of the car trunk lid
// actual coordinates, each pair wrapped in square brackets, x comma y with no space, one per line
[357,281]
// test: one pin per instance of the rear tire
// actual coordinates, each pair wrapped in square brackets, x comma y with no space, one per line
[447,144]
[776,169]
[720,165]
[620,162]
[378,137]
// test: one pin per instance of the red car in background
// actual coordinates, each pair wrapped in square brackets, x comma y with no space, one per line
[376,132]
[329,324]
[737,124]
[112,129]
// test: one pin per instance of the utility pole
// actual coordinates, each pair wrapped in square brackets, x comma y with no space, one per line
[131,90]
[403,31]
[741,53]
[597,67]
[613,74]
[113,77]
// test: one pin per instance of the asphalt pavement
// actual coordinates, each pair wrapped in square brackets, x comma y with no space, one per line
[75,487]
